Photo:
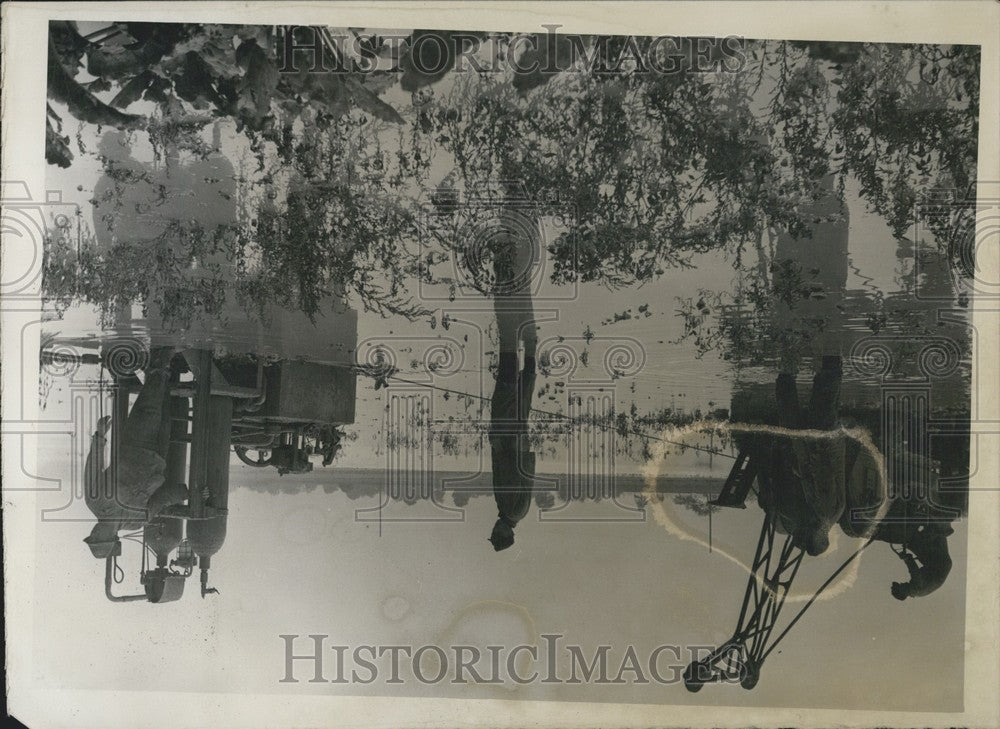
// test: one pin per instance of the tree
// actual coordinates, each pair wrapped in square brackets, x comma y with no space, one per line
[653,167]
[219,71]
[658,167]
[331,230]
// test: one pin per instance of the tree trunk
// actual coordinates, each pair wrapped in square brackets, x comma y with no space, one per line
[512,459]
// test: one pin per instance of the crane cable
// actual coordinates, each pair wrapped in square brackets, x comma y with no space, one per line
[815,595]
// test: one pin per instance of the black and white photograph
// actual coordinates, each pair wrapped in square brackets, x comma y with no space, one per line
[499,366]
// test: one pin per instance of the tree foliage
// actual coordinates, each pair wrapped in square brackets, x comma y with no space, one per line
[653,168]
[658,167]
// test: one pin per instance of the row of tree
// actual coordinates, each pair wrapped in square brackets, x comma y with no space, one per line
[644,170]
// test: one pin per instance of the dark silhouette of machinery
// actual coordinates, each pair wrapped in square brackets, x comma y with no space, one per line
[286,447]
[212,414]
[898,516]
[277,409]
[775,564]
[163,536]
